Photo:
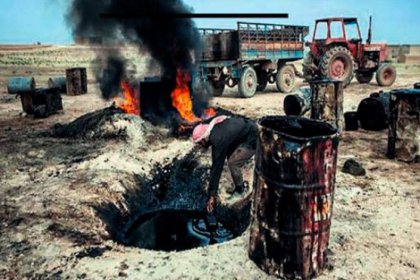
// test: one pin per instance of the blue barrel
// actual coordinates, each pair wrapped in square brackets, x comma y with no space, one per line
[58,82]
[20,84]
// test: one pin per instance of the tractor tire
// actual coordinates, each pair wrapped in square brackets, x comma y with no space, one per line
[364,77]
[285,78]
[248,82]
[386,75]
[214,89]
[337,64]
[308,68]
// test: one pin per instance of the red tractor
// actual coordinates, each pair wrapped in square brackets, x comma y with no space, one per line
[337,52]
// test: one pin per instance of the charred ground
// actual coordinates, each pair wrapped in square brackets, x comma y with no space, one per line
[60,196]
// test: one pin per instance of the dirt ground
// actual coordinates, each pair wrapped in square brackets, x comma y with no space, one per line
[60,197]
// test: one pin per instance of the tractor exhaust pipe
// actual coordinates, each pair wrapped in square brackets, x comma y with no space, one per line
[369,38]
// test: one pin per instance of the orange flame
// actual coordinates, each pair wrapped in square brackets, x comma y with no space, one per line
[181,98]
[130,101]
[208,113]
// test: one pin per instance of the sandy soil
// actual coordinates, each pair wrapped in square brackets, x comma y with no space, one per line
[60,197]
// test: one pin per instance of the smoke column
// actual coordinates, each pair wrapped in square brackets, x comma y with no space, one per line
[170,41]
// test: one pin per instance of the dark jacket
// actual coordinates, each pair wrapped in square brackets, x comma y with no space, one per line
[225,137]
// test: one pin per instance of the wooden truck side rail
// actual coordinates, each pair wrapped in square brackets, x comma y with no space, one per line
[271,41]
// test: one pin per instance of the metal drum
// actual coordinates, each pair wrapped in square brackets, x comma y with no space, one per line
[404,125]
[58,82]
[352,121]
[327,102]
[293,196]
[373,112]
[20,84]
[76,81]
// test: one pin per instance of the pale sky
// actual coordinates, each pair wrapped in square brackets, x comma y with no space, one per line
[394,21]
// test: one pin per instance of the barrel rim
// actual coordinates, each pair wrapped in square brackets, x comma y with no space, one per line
[335,134]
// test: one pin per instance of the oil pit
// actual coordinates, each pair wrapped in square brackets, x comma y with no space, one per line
[168,211]
[173,230]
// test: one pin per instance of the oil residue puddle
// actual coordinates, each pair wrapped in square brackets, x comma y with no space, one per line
[170,230]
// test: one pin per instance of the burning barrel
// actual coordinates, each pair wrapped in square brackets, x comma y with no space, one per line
[404,125]
[20,84]
[293,196]
[327,102]
[373,112]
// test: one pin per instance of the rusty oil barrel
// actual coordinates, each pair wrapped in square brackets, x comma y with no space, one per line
[327,102]
[76,81]
[404,125]
[20,84]
[294,183]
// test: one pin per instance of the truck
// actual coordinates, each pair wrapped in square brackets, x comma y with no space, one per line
[250,57]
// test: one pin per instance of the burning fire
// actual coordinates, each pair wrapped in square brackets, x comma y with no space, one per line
[130,101]
[181,98]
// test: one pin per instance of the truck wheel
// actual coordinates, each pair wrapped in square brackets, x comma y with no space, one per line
[364,77]
[248,83]
[285,78]
[214,89]
[337,64]
[386,75]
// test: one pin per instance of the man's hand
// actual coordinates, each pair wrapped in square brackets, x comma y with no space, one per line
[211,203]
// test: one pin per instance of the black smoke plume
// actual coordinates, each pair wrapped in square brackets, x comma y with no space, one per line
[171,41]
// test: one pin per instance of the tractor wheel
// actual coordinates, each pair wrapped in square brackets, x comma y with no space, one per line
[364,77]
[248,82]
[337,64]
[285,78]
[308,67]
[214,89]
[386,75]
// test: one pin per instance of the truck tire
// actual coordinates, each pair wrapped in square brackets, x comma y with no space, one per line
[214,89]
[337,64]
[248,82]
[386,75]
[364,77]
[285,78]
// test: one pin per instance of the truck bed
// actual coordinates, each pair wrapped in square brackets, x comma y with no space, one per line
[254,41]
